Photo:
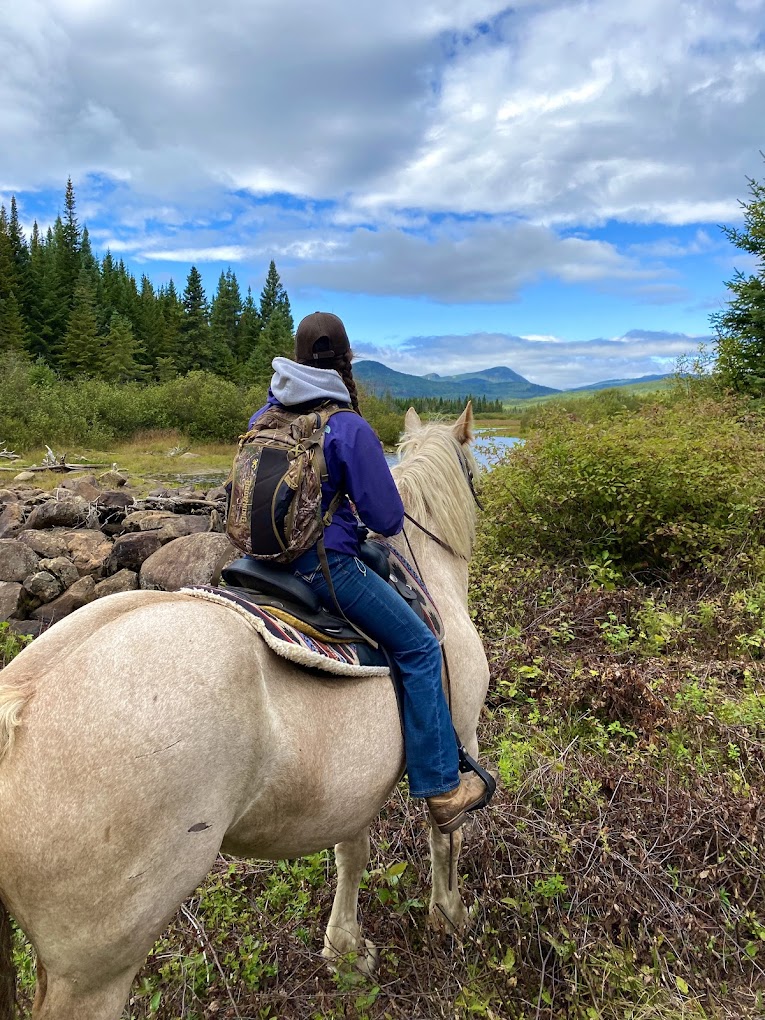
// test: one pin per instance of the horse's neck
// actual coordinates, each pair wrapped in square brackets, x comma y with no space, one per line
[444,574]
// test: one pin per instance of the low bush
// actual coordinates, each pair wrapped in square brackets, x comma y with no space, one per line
[671,486]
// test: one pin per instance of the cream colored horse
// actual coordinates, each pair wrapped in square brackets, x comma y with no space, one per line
[149,731]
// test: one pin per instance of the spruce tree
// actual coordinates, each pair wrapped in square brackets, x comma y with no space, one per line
[120,351]
[273,297]
[13,330]
[740,327]
[250,327]
[80,352]
[68,240]
[194,338]
[225,315]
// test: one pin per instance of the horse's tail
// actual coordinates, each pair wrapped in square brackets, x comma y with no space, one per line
[7,970]
[13,698]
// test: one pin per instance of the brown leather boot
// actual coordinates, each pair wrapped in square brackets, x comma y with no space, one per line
[450,810]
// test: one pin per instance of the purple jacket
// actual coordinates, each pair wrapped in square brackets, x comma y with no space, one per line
[356,466]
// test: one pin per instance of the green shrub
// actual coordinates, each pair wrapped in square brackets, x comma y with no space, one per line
[668,486]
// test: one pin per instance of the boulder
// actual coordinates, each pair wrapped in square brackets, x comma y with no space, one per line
[10,599]
[12,520]
[131,550]
[89,550]
[147,520]
[43,586]
[167,525]
[116,499]
[62,568]
[80,594]
[189,560]
[80,485]
[65,513]
[123,580]
[17,561]
[112,479]
[24,476]
[30,628]
[218,494]
[8,495]
[49,544]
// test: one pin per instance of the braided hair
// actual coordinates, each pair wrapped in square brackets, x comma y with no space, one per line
[343,367]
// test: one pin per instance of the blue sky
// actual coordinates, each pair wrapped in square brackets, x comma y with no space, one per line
[466,184]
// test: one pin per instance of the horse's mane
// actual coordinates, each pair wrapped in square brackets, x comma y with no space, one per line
[13,699]
[433,485]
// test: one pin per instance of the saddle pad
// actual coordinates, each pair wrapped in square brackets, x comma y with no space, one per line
[283,638]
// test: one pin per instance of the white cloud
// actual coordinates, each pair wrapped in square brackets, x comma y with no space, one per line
[645,110]
[547,361]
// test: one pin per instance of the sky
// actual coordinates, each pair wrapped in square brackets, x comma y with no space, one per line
[466,184]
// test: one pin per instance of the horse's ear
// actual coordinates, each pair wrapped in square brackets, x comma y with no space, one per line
[463,429]
[412,421]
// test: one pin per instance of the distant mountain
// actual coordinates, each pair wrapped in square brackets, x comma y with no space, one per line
[609,384]
[494,383]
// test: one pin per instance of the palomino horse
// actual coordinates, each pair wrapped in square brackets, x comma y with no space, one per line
[150,730]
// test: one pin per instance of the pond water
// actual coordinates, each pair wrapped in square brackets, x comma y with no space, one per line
[488,448]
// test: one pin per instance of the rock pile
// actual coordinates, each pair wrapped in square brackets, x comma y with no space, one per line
[92,537]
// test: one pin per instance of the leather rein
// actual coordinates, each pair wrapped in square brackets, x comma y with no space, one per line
[439,541]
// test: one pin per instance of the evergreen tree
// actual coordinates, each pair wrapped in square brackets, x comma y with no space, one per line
[194,350]
[13,330]
[740,327]
[80,352]
[225,316]
[273,297]
[68,239]
[20,253]
[120,351]
[250,326]
[276,341]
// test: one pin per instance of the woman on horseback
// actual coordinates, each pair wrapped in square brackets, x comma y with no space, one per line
[356,467]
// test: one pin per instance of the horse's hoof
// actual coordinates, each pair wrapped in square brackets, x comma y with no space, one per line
[365,958]
[448,920]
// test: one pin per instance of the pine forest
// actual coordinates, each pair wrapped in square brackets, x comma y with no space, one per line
[89,317]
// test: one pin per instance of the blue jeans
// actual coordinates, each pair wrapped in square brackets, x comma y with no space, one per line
[432,761]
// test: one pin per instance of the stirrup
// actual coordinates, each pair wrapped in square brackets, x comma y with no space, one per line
[468,764]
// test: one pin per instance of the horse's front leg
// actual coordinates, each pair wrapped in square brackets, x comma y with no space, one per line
[343,935]
[447,913]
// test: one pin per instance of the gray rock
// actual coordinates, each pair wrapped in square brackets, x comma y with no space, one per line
[123,580]
[79,485]
[80,594]
[62,568]
[89,550]
[10,599]
[131,550]
[12,520]
[218,494]
[66,513]
[116,499]
[189,560]
[112,479]
[24,476]
[30,628]
[43,586]
[17,561]
[8,495]
[147,520]
[49,544]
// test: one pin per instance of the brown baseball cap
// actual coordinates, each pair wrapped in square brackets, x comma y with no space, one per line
[320,337]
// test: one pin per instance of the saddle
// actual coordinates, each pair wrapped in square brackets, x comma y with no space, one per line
[288,615]
[263,584]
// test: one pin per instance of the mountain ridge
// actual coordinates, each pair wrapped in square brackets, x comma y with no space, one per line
[497,383]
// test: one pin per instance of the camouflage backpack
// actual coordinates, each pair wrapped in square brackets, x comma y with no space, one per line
[275,496]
